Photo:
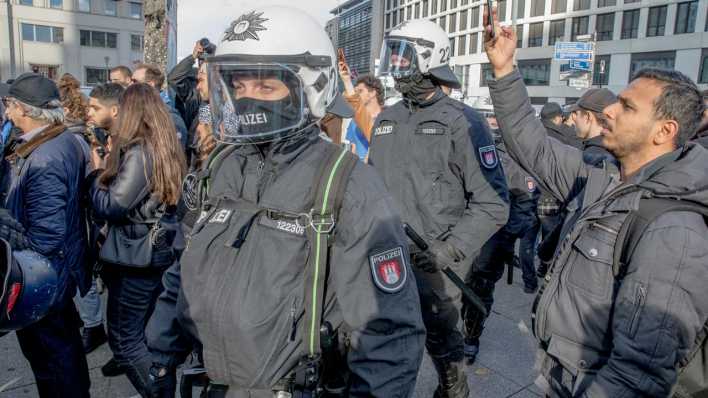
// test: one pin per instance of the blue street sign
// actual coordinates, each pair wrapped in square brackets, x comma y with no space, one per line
[581,65]
[572,56]
[574,46]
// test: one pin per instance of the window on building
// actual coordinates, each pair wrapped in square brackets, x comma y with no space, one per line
[604,26]
[519,36]
[59,4]
[703,74]
[463,20]
[136,43]
[453,23]
[686,17]
[630,24]
[443,5]
[453,4]
[661,60]
[581,5]
[556,31]
[110,7]
[601,70]
[631,1]
[536,34]
[95,76]
[461,45]
[464,2]
[474,17]
[42,33]
[473,43]
[606,3]
[26,2]
[657,21]
[409,12]
[395,3]
[92,38]
[400,16]
[452,47]
[417,10]
[425,8]
[388,4]
[520,8]
[579,27]
[501,9]
[48,71]
[85,5]
[434,9]
[136,10]
[486,75]
[442,21]
[538,100]
[388,20]
[558,6]
[538,7]
[536,72]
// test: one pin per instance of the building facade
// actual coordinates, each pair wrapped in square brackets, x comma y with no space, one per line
[359,32]
[82,37]
[629,35]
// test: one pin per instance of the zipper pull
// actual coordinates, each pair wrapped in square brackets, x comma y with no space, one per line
[261,165]
[293,325]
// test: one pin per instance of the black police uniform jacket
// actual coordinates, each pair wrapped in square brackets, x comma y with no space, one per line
[439,162]
[242,292]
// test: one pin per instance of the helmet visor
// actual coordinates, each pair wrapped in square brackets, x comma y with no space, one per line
[398,58]
[254,103]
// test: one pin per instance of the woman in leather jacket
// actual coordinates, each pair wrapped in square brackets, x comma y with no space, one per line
[140,185]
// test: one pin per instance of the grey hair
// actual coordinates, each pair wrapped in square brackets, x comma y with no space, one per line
[53,115]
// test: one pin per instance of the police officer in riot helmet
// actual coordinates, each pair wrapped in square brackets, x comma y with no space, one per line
[439,162]
[296,277]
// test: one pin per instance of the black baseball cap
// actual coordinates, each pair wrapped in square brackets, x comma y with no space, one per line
[34,89]
[595,100]
[551,110]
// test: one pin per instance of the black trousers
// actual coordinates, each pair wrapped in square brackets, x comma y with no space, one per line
[132,294]
[55,352]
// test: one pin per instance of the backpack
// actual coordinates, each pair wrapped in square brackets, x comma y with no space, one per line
[693,370]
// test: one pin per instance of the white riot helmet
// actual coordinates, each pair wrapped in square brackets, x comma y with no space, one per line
[273,75]
[417,46]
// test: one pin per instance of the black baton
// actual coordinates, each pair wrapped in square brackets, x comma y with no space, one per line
[466,291]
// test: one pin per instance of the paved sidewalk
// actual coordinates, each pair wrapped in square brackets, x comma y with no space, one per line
[504,367]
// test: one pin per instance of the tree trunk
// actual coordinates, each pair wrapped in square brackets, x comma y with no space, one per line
[155,33]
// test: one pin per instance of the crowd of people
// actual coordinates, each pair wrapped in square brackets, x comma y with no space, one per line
[265,221]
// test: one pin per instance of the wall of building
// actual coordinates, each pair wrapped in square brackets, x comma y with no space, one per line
[688,47]
[68,56]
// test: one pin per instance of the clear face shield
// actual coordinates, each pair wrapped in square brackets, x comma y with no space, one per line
[398,58]
[254,103]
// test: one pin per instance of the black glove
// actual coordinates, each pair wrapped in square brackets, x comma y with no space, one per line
[163,381]
[12,231]
[439,255]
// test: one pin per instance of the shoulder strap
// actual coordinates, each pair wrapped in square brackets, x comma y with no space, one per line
[330,186]
[637,222]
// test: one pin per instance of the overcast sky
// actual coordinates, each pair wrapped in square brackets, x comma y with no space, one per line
[209,18]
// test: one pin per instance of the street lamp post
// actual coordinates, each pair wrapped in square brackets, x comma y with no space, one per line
[107,59]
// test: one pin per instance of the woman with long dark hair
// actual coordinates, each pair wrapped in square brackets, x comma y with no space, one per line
[137,194]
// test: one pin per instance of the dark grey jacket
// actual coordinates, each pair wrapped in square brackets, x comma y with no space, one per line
[599,339]
[430,160]
[242,278]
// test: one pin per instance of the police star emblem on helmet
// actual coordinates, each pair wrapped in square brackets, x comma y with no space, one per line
[245,27]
